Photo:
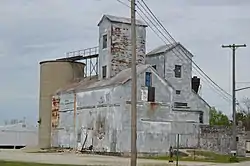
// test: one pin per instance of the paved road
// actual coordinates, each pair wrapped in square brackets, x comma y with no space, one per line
[50,158]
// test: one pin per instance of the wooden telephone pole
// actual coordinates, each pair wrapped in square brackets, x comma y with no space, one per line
[234,47]
[133,161]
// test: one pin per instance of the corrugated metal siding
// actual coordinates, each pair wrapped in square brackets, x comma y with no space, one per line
[104,114]
[108,128]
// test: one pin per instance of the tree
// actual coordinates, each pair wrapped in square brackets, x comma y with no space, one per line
[246,102]
[217,118]
[244,114]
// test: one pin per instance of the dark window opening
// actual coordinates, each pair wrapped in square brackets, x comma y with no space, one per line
[154,66]
[104,41]
[148,79]
[104,71]
[177,71]
[79,135]
[178,92]
[237,139]
[201,117]
[179,104]
[151,94]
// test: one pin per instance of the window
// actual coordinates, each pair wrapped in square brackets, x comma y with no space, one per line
[148,78]
[154,66]
[151,94]
[178,92]
[79,135]
[104,71]
[104,41]
[201,117]
[179,104]
[177,71]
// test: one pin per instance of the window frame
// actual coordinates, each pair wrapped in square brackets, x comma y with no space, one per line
[106,41]
[104,71]
[178,71]
[148,78]
[178,92]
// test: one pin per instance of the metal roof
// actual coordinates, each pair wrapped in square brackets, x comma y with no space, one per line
[121,20]
[167,48]
[93,82]
[162,49]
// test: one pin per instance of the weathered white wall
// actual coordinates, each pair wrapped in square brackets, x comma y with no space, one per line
[104,54]
[104,114]
[117,55]
[108,128]
[163,92]
[165,64]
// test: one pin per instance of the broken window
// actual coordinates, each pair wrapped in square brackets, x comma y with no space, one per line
[151,94]
[148,79]
[154,66]
[104,41]
[177,71]
[104,71]
[178,92]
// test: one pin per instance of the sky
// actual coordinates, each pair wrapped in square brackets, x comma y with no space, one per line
[33,30]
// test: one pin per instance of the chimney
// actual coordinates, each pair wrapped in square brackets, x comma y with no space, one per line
[195,84]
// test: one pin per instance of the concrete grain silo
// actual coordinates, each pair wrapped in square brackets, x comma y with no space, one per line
[53,75]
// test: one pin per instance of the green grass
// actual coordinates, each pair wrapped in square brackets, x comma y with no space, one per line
[12,163]
[204,156]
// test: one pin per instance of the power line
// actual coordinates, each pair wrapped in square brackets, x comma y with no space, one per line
[198,70]
[210,85]
[184,52]
[141,10]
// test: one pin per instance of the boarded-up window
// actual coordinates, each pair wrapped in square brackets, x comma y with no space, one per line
[144,94]
[179,104]
[104,71]
[151,94]
[148,79]
[104,41]
[177,71]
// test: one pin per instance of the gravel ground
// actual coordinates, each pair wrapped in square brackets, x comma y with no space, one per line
[83,159]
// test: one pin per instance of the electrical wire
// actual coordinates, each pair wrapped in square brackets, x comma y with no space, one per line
[159,23]
[172,43]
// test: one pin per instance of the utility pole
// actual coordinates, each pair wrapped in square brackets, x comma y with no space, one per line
[234,47]
[133,161]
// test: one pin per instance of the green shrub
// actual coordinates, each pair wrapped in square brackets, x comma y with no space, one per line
[234,159]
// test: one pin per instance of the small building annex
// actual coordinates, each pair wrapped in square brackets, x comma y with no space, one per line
[95,110]
[18,135]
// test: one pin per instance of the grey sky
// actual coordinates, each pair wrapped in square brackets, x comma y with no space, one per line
[32,31]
